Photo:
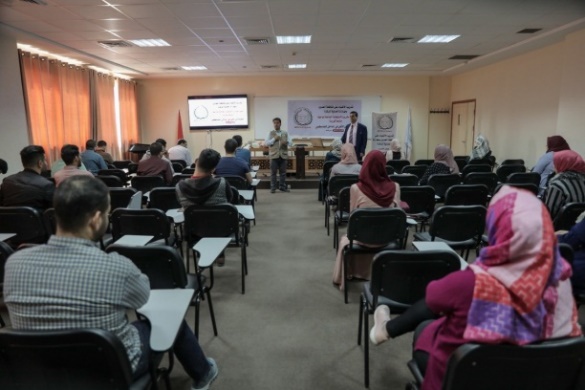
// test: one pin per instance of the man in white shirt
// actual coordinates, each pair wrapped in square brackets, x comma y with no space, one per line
[180,152]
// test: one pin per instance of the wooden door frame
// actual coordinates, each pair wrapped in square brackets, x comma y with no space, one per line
[452,110]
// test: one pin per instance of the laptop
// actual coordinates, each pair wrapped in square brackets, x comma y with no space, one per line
[135,201]
[316,142]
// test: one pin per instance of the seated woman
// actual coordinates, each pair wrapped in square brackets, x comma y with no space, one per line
[489,302]
[481,149]
[576,239]
[395,151]
[444,164]
[544,166]
[373,190]
[335,153]
[568,185]
[349,163]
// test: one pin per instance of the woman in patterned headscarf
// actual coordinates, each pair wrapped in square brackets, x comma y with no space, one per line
[518,291]
[335,153]
[569,184]
[481,149]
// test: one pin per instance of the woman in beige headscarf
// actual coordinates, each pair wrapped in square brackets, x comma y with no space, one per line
[395,151]
[349,163]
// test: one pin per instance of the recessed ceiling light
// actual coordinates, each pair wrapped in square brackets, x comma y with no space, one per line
[150,42]
[394,65]
[297,66]
[193,67]
[438,38]
[289,39]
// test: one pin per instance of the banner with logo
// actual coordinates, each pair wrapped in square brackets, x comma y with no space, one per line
[320,118]
[383,130]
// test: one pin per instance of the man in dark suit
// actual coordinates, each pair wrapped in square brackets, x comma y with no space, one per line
[357,135]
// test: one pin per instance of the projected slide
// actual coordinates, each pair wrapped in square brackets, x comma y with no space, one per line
[218,112]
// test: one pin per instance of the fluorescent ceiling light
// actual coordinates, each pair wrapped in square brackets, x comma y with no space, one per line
[284,40]
[150,42]
[297,66]
[394,65]
[193,67]
[438,38]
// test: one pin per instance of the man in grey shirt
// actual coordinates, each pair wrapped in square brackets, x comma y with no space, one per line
[70,283]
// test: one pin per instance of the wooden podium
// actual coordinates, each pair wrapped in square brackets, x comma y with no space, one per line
[309,164]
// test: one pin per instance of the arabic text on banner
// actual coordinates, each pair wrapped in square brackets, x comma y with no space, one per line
[320,118]
[383,130]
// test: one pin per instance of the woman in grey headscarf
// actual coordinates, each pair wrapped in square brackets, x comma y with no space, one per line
[481,149]
[335,153]
[395,151]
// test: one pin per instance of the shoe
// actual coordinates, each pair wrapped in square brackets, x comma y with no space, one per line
[272,191]
[220,261]
[284,189]
[204,383]
[378,334]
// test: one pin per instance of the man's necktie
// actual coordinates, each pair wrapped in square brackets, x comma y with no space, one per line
[351,135]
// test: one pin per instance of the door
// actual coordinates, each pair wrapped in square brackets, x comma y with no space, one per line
[462,127]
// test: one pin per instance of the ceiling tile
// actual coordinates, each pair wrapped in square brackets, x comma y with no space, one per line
[145,11]
[99,12]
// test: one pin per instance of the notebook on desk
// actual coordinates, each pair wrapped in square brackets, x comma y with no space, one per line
[135,201]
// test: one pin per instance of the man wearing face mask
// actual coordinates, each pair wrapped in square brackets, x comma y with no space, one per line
[72,160]
[28,187]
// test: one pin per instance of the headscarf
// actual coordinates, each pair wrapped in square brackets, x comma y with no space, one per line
[481,147]
[374,181]
[348,154]
[336,148]
[568,160]
[444,155]
[556,143]
[395,145]
[522,289]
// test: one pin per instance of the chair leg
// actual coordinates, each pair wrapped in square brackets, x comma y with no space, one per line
[362,302]
[211,313]
[345,284]
[335,232]
[366,350]
[2,323]
[197,304]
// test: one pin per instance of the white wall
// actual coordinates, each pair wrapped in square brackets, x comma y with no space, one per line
[13,128]
[525,99]
[161,99]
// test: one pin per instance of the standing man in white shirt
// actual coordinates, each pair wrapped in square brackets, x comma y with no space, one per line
[356,134]
[277,142]
[180,152]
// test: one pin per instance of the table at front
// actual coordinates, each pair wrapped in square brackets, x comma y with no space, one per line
[312,164]
[6,236]
[165,310]
[423,246]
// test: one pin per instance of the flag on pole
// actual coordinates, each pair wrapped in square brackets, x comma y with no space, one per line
[179,127]
[408,141]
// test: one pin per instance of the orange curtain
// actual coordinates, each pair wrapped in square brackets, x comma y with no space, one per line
[105,113]
[57,103]
[128,115]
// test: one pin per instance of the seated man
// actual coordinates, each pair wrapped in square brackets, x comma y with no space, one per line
[101,150]
[28,187]
[92,161]
[155,165]
[180,152]
[203,188]
[241,152]
[70,283]
[230,165]
[70,156]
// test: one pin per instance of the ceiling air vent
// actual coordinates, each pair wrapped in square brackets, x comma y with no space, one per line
[402,40]
[464,57]
[269,66]
[529,31]
[38,2]
[257,41]
[171,69]
[370,66]
[115,44]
